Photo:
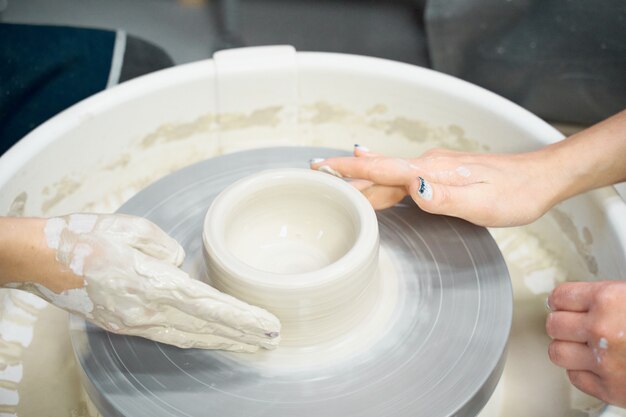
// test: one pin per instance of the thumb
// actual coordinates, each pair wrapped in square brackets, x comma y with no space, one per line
[450,200]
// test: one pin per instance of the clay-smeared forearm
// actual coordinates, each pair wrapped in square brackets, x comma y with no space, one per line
[121,273]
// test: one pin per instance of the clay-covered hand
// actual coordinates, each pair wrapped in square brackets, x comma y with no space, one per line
[588,325]
[485,189]
[121,273]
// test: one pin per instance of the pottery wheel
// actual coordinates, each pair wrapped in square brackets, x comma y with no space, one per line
[438,349]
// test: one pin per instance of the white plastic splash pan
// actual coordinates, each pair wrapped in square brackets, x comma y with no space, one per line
[97,154]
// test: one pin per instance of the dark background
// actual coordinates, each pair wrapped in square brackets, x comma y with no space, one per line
[564,60]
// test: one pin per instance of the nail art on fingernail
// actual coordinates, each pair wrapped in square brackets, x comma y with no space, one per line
[316,161]
[424,190]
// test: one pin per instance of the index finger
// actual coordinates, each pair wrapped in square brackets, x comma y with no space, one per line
[571,296]
[381,170]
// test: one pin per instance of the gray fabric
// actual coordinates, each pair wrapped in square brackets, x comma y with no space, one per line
[385,29]
[563,60]
[142,57]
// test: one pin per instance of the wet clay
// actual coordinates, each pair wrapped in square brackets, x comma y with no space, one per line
[530,386]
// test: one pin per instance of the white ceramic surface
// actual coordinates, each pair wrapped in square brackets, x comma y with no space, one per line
[97,154]
[300,243]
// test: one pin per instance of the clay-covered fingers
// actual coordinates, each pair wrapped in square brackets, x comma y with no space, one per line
[235,320]
[572,355]
[254,334]
[219,313]
[184,339]
[188,340]
[567,326]
[572,296]
[141,234]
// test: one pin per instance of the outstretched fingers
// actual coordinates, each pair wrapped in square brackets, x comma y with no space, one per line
[218,312]
[172,335]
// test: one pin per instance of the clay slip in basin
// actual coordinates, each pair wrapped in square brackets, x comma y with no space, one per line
[299,243]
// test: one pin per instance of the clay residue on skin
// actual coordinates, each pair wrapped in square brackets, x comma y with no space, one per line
[18,205]
[64,188]
[329,170]
[162,302]
[567,226]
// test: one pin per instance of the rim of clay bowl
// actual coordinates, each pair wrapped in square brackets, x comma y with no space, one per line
[361,252]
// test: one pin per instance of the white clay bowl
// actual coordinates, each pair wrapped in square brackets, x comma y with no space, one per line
[299,243]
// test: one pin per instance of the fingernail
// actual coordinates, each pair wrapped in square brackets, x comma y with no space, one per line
[329,170]
[316,161]
[361,148]
[424,190]
[548,306]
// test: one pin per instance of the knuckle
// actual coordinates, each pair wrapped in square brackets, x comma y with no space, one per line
[598,329]
[577,379]
[556,295]
[442,196]
[556,353]
[605,294]
[574,377]
[563,291]
[550,325]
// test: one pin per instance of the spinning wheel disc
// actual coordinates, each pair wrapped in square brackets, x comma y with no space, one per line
[433,344]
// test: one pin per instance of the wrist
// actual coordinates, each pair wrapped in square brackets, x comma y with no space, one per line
[19,239]
[26,257]
[545,180]
[589,159]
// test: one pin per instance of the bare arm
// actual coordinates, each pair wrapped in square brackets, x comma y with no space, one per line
[26,257]
[492,189]
[592,158]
